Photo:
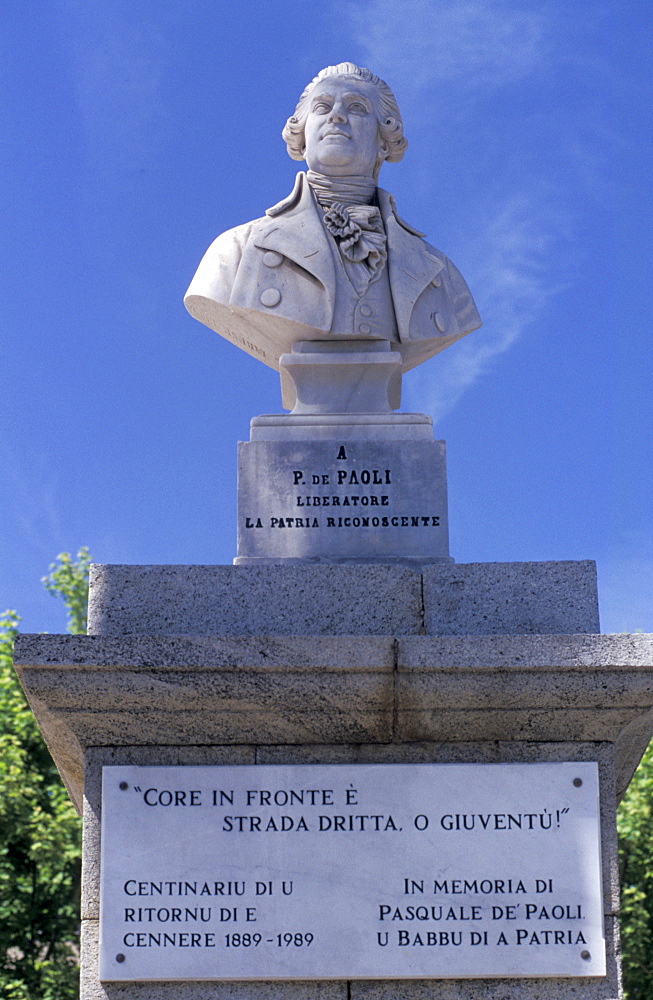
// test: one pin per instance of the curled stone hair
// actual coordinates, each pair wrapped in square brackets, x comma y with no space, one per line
[391,129]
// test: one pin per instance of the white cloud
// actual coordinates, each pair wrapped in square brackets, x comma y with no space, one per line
[420,43]
[512,285]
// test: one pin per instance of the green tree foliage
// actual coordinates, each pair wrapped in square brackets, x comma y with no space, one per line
[69,579]
[634,821]
[40,832]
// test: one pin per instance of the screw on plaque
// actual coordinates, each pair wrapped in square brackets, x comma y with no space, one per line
[577,782]
[123,786]
[120,957]
[586,955]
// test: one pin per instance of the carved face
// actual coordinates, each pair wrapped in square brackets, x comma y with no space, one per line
[341,131]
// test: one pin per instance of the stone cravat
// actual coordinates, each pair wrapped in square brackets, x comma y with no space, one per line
[354,223]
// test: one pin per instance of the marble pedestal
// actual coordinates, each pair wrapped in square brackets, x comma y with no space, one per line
[342,488]
[478,664]
[332,377]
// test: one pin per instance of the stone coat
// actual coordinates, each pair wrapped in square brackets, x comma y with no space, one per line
[283,265]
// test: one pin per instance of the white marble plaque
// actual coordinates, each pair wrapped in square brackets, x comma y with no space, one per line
[351,871]
[342,500]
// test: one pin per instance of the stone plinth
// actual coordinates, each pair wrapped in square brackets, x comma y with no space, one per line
[322,377]
[125,691]
[347,487]
[368,664]
[443,599]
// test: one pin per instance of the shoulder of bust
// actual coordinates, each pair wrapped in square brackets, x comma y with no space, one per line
[236,238]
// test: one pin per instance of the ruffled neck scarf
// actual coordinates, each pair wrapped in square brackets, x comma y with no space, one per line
[354,223]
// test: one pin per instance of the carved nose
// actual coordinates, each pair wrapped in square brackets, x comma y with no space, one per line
[336,115]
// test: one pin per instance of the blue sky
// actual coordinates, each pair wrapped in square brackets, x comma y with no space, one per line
[135,131]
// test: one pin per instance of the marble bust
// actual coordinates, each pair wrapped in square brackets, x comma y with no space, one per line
[333,264]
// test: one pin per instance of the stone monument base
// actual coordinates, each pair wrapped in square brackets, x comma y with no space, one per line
[272,665]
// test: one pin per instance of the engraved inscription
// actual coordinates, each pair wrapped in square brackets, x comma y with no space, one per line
[441,871]
[359,498]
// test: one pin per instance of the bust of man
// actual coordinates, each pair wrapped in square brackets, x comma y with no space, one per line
[334,261]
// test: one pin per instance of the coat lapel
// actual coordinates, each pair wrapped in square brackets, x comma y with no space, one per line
[411,267]
[296,231]
[299,235]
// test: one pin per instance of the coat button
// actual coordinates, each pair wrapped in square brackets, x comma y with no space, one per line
[439,322]
[271,297]
[272,258]
[366,309]
[436,282]
[364,328]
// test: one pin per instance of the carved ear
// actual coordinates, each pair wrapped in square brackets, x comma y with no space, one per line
[382,156]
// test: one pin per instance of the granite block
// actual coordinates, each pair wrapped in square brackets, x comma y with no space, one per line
[277,710]
[244,654]
[464,599]
[94,691]
[529,688]
[254,600]
[519,598]
[111,691]
[107,707]
[563,653]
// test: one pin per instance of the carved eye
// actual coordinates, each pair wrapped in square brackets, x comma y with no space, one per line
[321,107]
[357,106]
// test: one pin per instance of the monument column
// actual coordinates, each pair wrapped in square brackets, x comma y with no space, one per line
[344,768]
[526,738]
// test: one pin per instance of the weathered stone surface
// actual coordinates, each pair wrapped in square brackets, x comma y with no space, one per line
[567,652]
[464,599]
[231,654]
[254,600]
[99,691]
[515,598]
[92,691]
[529,688]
